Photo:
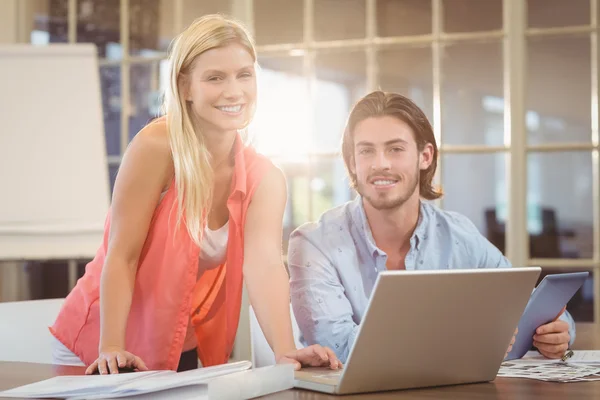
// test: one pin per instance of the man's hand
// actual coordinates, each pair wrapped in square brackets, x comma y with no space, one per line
[311,356]
[552,339]
[512,342]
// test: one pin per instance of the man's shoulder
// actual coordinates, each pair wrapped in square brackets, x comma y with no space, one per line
[449,221]
[456,227]
[320,231]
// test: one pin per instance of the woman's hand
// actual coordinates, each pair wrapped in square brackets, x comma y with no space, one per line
[111,359]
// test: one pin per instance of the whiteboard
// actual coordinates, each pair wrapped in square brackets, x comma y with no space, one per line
[54,187]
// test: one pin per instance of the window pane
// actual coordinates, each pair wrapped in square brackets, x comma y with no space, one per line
[277,22]
[49,279]
[147,87]
[297,208]
[98,21]
[475,185]
[341,81]
[408,71]
[331,24]
[110,81]
[329,185]
[45,21]
[194,9]
[559,89]
[472,15]
[150,26]
[113,169]
[554,13]
[472,73]
[559,203]
[581,305]
[281,124]
[403,17]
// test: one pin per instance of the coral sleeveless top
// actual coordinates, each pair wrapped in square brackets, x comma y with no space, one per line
[167,293]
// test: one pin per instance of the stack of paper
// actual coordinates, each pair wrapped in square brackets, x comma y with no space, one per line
[228,381]
[578,357]
[581,367]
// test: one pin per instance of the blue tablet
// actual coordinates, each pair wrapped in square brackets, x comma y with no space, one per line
[547,300]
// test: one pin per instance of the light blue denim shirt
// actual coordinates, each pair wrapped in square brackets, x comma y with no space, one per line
[334,263]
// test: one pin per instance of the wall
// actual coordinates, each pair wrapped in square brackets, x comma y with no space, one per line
[8,21]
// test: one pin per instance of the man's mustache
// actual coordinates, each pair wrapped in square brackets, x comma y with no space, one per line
[384,176]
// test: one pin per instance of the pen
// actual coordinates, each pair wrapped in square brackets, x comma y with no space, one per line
[567,355]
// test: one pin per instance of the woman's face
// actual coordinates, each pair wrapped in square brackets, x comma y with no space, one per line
[222,88]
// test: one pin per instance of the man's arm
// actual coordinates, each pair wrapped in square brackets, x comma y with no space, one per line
[491,257]
[321,308]
[566,317]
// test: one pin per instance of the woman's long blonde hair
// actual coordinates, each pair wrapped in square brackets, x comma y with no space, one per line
[191,159]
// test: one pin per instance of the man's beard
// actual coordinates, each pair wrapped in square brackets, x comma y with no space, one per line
[386,202]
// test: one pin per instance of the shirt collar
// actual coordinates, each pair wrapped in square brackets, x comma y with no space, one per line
[359,218]
[420,232]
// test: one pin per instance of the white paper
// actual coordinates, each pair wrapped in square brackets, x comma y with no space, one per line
[585,356]
[247,384]
[551,372]
[579,356]
[119,385]
[196,377]
[582,366]
[68,385]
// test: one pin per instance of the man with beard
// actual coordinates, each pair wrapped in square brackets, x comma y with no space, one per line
[391,156]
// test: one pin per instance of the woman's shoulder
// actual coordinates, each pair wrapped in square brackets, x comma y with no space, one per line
[257,165]
[154,137]
[150,149]
[254,159]
[156,128]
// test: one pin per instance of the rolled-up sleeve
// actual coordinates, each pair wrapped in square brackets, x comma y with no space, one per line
[321,308]
[569,320]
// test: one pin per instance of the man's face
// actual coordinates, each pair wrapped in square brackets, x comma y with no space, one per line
[387,162]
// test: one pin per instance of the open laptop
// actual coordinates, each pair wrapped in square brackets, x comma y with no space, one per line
[430,328]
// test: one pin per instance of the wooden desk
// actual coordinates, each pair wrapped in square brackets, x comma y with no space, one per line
[14,374]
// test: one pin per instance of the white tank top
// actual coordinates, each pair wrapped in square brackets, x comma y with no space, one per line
[213,251]
[213,248]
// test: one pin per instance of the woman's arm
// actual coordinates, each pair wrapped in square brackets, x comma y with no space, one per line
[145,170]
[266,278]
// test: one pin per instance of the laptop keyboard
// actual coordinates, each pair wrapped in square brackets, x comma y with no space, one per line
[330,375]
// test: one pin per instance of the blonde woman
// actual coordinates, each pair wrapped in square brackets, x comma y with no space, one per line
[194,212]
